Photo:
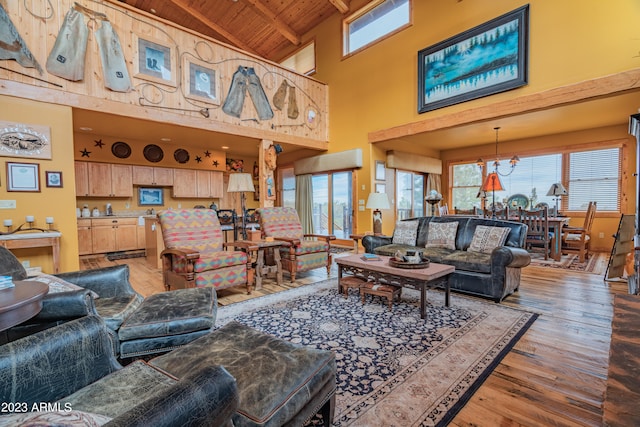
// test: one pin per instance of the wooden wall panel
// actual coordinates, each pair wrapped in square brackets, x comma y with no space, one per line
[160,102]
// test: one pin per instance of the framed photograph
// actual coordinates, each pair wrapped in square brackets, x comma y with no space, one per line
[150,196]
[381,188]
[54,179]
[23,177]
[487,59]
[201,82]
[380,171]
[154,61]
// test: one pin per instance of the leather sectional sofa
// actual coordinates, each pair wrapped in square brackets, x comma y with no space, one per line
[493,274]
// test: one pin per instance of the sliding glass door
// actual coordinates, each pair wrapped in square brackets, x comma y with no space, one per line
[333,204]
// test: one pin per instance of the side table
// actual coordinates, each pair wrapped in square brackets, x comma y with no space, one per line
[20,303]
[263,268]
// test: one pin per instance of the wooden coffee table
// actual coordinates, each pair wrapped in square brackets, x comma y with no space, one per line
[436,275]
[21,302]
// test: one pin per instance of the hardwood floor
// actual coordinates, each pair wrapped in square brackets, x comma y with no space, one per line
[555,375]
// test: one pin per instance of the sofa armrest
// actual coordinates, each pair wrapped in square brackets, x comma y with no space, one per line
[208,396]
[54,363]
[327,237]
[65,306]
[107,282]
[506,256]
[371,242]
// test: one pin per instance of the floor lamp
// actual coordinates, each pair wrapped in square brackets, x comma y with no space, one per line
[493,184]
[556,191]
[377,201]
[241,183]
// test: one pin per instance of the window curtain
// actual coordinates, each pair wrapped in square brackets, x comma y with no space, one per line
[434,182]
[304,204]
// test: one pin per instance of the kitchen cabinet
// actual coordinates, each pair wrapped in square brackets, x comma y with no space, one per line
[197,184]
[84,237]
[114,234]
[148,175]
[184,183]
[103,180]
[82,179]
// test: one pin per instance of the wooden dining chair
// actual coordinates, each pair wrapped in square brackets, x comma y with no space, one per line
[502,214]
[577,239]
[538,234]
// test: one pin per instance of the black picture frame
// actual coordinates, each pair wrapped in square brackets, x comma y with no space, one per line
[150,196]
[482,61]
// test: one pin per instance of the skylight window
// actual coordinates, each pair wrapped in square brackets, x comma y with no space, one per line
[374,22]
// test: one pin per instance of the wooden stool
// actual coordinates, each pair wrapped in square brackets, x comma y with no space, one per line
[387,291]
[350,282]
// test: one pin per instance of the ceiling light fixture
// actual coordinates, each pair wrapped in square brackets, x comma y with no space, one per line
[165,139]
[85,128]
[496,163]
[224,147]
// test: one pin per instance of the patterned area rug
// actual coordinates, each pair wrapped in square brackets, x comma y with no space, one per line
[596,264]
[394,369]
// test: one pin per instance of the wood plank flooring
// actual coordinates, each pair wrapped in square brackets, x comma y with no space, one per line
[556,374]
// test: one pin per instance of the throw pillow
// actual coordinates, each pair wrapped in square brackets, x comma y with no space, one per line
[442,235]
[56,284]
[58,418]
[406,233]
[486,239]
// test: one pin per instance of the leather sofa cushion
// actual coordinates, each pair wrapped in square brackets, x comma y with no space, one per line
[135,383]
[469,261]
[171,313]
[276,378]
[115,309]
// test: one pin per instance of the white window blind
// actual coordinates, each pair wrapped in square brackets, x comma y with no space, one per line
[372,23]
[594,176]
[303,60]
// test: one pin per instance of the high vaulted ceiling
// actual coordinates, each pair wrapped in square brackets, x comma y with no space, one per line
[262,27]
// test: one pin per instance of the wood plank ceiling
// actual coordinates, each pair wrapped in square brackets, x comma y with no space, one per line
[263,27]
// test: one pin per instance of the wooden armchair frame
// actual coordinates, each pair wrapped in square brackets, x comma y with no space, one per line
[577,239]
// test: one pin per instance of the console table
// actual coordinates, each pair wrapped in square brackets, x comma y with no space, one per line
[35,240]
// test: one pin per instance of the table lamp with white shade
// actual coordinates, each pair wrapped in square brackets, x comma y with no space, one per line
[377,201]
[556,191]
[241,183]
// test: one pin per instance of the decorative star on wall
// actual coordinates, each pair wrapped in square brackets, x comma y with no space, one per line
[207,153]
[198,159]
[85,153]
[215,163]
[99,143]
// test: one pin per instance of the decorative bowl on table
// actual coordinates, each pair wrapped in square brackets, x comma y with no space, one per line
[410,260]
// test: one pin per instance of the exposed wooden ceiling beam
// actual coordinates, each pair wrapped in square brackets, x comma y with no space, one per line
[278,23]
[185,6]
[341,5]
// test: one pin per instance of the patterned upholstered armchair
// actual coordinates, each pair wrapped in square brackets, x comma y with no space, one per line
[195,254]
[305,251]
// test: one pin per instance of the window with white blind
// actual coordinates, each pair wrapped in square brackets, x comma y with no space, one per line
[467,180]
[594,175]
[373,22]
[303,60]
